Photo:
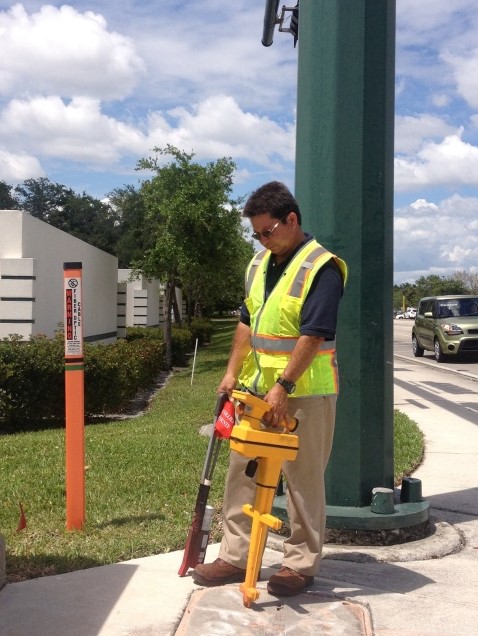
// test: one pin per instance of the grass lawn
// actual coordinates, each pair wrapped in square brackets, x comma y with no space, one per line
[142,477]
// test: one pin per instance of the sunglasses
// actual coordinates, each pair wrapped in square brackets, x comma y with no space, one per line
[266,233]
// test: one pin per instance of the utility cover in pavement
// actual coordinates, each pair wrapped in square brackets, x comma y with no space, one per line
[220,612]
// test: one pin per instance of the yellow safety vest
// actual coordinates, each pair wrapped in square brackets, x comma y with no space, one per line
[275,324]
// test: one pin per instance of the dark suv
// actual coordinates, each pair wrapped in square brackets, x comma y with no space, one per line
[447,325]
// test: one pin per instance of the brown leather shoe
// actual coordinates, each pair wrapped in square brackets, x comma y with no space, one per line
[219,572]
[288,582]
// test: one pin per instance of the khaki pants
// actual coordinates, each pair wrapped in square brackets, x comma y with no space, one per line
[305,491]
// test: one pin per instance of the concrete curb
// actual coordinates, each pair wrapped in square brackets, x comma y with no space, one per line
[3,567]
[444,540]
[433,365]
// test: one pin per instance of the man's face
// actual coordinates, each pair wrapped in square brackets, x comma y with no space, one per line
[281,241]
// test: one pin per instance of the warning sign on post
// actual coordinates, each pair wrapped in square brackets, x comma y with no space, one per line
[74,397]
[73,310]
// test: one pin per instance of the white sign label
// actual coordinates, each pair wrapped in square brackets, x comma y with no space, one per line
[73,318]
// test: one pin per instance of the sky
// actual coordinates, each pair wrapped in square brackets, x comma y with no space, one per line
[89,88]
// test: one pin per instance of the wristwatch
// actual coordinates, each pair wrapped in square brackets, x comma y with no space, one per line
[287,384]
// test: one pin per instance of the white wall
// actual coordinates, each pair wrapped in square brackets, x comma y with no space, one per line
[47,248]
[144,300]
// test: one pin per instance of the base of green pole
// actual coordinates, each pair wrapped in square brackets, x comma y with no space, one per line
[404,515]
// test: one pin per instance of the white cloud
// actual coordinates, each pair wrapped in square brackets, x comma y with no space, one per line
[218,127]
[449,162]
[464,71]
[75,131]
[431,22]
[79,131]
[16,167]
[410,131]
[421,204]
[210,48]
[437,238]
[441,100]
[424,30]
[64,52]
[462,209]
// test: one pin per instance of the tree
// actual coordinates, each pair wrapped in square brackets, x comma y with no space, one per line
[196,228]
[134,231]
[434,285]
[223,291]
[469,280]
[404,294]
[8,200]
[81,215]
[90,220]
[42,198]
[215,280]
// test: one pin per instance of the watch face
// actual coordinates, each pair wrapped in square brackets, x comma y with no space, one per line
[288,386]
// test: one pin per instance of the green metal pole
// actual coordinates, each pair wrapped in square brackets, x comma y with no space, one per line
[344,184]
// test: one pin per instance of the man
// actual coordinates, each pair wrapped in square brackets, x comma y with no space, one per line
[284,351]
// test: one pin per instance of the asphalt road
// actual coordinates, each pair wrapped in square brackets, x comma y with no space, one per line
[402,345]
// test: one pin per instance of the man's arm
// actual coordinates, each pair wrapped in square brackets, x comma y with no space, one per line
[241,345]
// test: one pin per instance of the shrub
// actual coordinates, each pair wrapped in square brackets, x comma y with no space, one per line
[150,333]
[32,374]
[115,372]
[182,344]
[5,402]
[201,328]
[182,339]
[34,383]
[32,378]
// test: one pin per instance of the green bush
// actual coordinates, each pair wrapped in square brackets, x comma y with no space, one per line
[32,373]
[4,401]
[149,333]
[201,328]
[182,339]
[115,372]
[34,383]
[182,344]
[32,378]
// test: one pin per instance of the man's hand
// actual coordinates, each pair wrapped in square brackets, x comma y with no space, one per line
[277,397]
[227,384]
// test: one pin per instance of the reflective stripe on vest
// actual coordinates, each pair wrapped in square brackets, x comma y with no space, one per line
[300,279]
[281,345]
[252,269]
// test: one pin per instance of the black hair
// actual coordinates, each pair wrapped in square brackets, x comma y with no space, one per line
[273,198]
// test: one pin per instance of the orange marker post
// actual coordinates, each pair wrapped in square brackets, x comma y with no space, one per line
[74,397]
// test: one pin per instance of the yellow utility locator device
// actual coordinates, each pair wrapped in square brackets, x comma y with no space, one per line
[267,448]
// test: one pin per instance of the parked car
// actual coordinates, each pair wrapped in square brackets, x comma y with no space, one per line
[411,312]
[446,325]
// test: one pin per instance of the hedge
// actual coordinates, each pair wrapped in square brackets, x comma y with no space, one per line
[33,382]
[201,328]
[32,374]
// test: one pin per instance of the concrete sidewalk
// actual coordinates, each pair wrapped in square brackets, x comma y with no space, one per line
[423,588]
